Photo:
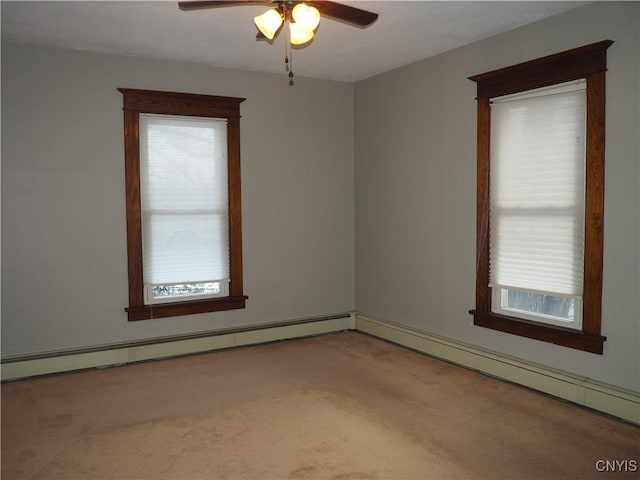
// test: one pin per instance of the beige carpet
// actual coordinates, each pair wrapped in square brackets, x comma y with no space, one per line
[343,406]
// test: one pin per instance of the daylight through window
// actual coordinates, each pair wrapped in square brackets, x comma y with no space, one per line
[540,198]
[184,230]
[537,203]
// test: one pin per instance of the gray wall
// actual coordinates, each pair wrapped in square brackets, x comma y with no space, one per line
[64,279]
[415,167]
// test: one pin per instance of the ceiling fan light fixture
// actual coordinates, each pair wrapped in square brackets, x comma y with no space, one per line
[303,19]
[307,18]
[268,23]
[297,35]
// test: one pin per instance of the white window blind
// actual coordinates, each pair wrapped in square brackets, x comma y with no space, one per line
[537,190]
[183,183]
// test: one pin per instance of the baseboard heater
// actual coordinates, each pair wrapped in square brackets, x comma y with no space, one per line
[100,356]
[609,399]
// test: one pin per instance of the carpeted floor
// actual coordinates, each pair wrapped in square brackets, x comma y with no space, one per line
[343,406]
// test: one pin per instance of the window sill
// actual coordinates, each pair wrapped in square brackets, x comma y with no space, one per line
[546,333]
[162,310]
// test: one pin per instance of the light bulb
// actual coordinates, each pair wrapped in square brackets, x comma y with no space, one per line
[307,18]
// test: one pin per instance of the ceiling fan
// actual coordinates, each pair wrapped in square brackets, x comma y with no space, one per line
[302,18]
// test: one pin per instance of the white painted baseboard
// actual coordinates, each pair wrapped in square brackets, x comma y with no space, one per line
[615,401]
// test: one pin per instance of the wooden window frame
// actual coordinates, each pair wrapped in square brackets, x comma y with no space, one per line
[136,102]
[588,62]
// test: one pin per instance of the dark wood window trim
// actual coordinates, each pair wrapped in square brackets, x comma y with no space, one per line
[171,103]
[588,62]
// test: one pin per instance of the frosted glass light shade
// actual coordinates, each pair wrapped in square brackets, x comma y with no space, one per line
[307,18]
[268,23]
[298,36]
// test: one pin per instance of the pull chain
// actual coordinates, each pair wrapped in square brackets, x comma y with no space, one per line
[291,82]
[288,57]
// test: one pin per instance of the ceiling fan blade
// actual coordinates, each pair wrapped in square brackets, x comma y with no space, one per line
[198,5]
[338,11]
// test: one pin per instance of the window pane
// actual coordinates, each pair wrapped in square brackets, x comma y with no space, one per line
[209,288]
[184,194]
[539,304]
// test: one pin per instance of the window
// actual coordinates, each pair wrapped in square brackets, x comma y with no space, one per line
[541,198]
[184,238]
[536,203]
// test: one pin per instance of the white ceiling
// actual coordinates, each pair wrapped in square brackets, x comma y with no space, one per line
[406,31]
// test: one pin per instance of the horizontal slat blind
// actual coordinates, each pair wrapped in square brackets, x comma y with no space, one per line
[537,190]
[183,183]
